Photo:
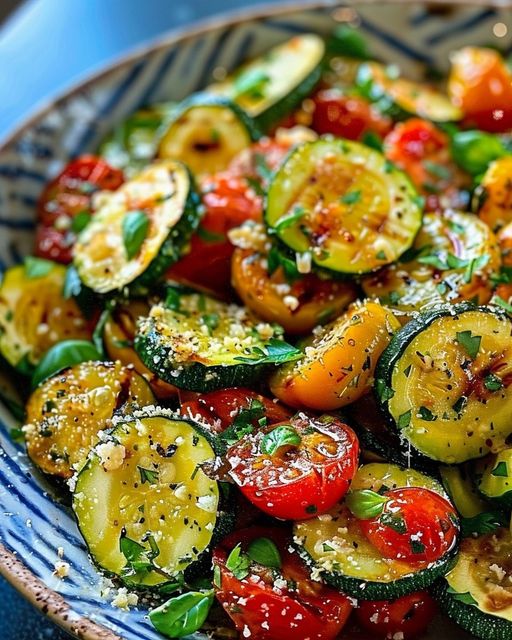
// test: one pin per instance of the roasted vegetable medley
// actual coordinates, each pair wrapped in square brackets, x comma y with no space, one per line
[266,342]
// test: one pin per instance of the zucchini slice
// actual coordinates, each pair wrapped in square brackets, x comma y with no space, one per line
[134,141]
[202,344]
[444,382]
[206,133]
[344,204]
[342,556]
[453,259]
[139,230]
[271,86]
[477,593]
[460,488]
[34,315]
[144,505]
[403,98]
[66,412]
[493,478]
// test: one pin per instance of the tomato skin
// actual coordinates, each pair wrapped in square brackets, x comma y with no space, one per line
[256,605]
[347,116]
[64,197]
[219,408]
[228,201]
[428,521]
[481,85]
[409,615]
[297,482]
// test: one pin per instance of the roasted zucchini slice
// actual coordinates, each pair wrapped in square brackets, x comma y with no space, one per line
[201,344]
[118,338]
[403,98]
[34,315]
[477,593]
[66,412]
[444,380]
[334,545]
[453,259]
[344,205]
[144,505]
[206,133]
[139,230]
[492,199]
[271,86]
[460,487]
[493,478]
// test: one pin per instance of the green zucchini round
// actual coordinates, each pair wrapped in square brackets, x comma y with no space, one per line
[337,551]
[164,197]
[343,204]
[435,379]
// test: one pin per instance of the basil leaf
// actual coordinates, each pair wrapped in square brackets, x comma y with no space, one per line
[135,228]
[365,504]
[244,422]
[238,563]
[37,267]
[264,551]
[251,83]
[351,197]
[282,436]
[62,355]
[80,221]
[470,342]
[289,219]
[148,475]
[394,521]
[183,614]
[274,352]
[500,470]
[474,150]
[492,382]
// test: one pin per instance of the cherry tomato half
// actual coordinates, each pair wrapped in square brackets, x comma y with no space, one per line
[229,201]
[295,469]
[220,408]
[272,604]
[416,525]
[347,116]
[67,196]
[409,616]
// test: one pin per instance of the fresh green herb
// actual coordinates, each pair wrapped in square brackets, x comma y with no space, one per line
[470,342]
[502,303]
[437,170]
[393,521]
[483,523]
[264,551]
[282,436]
[351,197]
[148,475]
[476,263]
[500,470]
[139,559]
[80,221]
[262,167]
[473,151]
[251,83]
[503,277]
[492,382]
[172,299]
[62,355]
[255,185]
[275,352]
[417,546]
[238,563]
[465,598]
[278,259]
[211,320]
[289,219]
[383,391]
[37,267]
[459,405]
[404,420]
[217,576]
[182,615]
[380,255]
[16,434]
[97,334]
[372,140]
[425,414]
[135,228]
[365,503]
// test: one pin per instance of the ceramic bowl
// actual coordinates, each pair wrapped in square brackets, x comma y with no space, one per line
[33,522]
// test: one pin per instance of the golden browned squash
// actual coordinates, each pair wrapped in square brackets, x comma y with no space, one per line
[493,197]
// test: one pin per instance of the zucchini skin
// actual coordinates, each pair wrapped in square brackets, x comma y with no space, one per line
[370,590]
[195,376]
[469,617]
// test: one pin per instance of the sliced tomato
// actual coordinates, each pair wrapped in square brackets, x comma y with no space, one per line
[347,116]
[480,83]
[295,469]
[229,201]
[66,197]
[423,151]
[416,525]
[275,603]
[409,616]
[220,408]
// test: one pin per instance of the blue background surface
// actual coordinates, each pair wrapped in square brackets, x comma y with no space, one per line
[44,46]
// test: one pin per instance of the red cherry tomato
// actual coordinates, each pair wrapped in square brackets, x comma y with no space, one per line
[220,408]
[416,525]
[229,201]
[260,159]
[347,116]
[307,474]
[272,604]
[66,196]
[423,151]
[409,616]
